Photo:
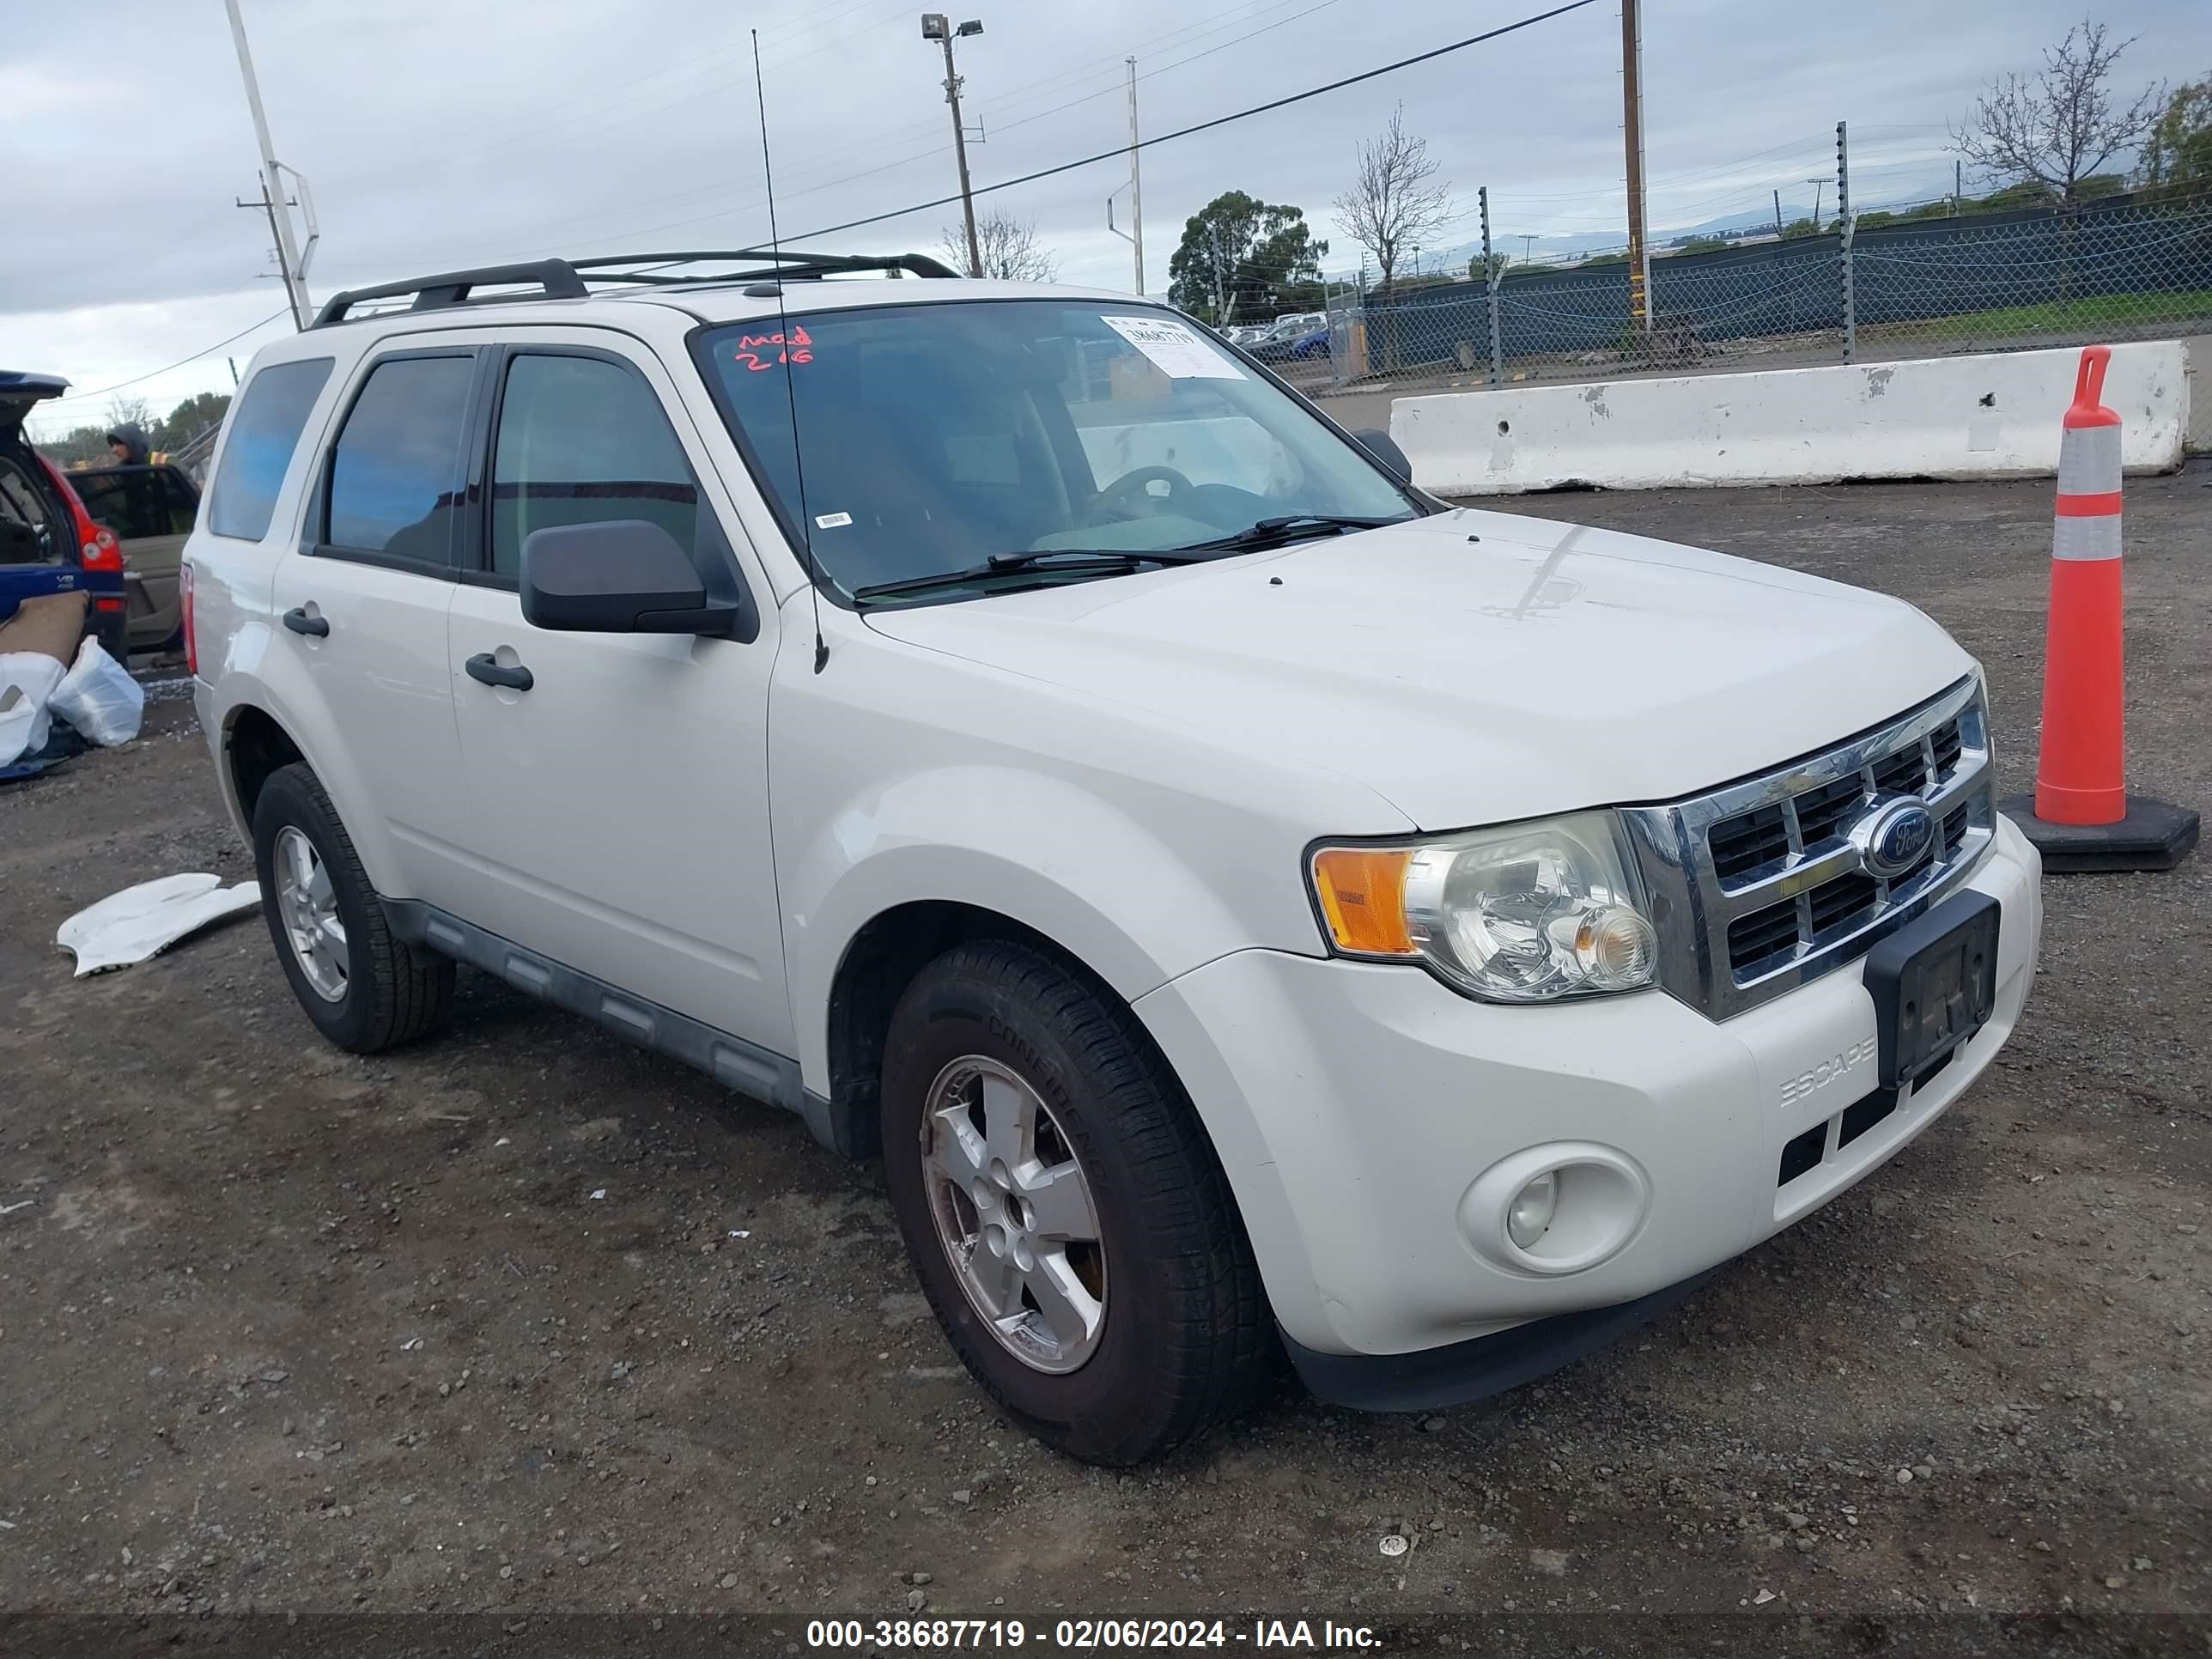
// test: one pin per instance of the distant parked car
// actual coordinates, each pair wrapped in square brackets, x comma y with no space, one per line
[151,508]
[1313,344]
[1284,334]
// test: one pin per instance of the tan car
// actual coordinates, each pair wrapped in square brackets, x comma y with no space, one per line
[151,509]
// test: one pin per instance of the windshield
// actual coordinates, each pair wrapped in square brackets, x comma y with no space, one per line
[935,437]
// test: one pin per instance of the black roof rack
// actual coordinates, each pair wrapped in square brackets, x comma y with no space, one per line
[572,279]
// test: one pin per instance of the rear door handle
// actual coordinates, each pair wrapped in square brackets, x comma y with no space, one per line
[491,671]
[299,621]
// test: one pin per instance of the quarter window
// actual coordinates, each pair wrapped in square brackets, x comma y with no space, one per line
[396,472]
[583,440]
[264,433]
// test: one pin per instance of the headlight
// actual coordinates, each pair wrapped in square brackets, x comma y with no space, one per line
[1528,913]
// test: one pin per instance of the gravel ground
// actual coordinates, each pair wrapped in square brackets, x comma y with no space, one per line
[529,1325]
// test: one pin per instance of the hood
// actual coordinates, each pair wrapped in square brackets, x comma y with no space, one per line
[132,437]
[1475,667]
[18,392]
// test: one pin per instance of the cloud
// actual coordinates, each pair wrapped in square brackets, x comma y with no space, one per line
[436,135]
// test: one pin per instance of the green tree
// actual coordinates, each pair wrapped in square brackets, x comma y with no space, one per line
[1238,253]
[188,420]
[2177,157]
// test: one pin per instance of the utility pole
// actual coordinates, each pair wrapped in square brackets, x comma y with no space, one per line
[1135,233]
[1527,250]
[935,26]
[1777,215]
[290,261]
[1631,91]
[1136,184]
[1958,186]
[1817,185]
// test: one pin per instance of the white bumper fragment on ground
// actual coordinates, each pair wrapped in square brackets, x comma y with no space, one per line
[141,922]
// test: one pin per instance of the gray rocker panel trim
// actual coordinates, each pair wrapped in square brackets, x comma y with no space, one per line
[744,1066]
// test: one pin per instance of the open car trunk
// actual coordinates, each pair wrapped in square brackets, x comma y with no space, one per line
[37,532]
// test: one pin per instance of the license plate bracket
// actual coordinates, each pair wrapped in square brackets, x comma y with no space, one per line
[1935,984]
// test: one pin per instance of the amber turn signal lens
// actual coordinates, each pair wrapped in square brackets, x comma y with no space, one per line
[1363,896]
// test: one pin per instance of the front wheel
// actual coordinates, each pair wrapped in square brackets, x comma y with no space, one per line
[1065,1212]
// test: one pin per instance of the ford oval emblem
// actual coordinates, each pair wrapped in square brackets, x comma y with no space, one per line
[1897,838]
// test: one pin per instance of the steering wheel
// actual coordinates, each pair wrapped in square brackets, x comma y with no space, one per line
[1126,497]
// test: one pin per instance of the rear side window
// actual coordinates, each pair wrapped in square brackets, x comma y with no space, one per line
[395,473]
[582,441]
[264,433]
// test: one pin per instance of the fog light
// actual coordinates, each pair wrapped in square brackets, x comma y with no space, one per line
[1531,1214]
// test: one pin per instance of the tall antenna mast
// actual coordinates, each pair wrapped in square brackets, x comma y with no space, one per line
[790,388]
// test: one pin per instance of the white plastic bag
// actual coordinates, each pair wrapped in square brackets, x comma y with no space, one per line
[99,697]
[25,724]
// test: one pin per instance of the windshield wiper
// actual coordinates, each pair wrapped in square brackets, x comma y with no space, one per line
[1297,527]
[1073,561]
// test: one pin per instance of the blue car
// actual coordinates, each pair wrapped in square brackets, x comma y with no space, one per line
[1313,344]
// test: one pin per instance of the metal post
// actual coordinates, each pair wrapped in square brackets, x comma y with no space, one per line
[272,181]
[960,150]
[1777,215]
[1632,86]
[1136,184]
[1490,271]
[1843,208]
[1958,186]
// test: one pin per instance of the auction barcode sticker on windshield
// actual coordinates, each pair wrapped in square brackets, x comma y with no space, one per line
[1174,349]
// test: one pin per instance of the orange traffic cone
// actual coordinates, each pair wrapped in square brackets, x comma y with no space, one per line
[2081,817]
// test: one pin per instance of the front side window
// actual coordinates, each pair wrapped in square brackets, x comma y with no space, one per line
[583,440]
[271,412]
[933,437]
[136,501]
[396,472]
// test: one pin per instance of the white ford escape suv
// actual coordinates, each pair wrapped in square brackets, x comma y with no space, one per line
[1241,898]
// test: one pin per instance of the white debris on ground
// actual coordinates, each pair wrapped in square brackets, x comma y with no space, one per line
[140,922]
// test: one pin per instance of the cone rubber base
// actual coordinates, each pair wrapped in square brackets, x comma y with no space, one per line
[2152,836]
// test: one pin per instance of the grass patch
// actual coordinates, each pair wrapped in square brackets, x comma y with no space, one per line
[2059,317]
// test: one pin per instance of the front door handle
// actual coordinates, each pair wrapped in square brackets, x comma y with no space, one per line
[299,621]
[491,671]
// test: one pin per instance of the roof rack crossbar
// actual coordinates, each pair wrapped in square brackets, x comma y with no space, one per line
[571,279]
[557,277]
[918,264]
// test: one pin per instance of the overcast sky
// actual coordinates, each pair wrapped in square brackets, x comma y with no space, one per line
[437,133]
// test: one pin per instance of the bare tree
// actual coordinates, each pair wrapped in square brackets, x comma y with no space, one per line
[1396,200]
[1010,247]
[132,410]
[2062,126]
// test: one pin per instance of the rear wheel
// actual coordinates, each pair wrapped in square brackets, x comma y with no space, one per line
[1065,1212]
[364,989]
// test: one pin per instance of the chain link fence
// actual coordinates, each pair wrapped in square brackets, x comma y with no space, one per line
[1885,287]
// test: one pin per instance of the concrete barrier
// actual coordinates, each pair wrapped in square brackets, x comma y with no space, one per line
[1989,416]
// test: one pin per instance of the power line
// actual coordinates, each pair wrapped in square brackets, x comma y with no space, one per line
[80,396]
[1120,150]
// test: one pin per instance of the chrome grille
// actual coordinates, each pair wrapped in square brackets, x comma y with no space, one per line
[1760,885]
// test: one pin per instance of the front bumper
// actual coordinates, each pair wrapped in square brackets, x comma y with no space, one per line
[1356,1107]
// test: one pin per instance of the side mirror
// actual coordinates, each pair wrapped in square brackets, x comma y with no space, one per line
[1384,448]
[620,576]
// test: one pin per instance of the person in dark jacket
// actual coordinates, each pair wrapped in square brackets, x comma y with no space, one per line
[127,444]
